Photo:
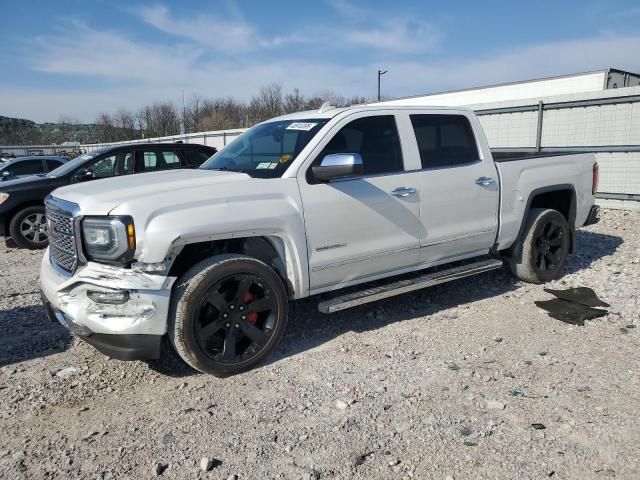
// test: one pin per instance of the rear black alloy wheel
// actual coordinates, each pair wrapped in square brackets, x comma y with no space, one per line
[542,252]
[228,313]
[548,247]
[235,318]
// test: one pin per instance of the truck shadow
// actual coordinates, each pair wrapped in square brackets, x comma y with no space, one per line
[26,334]
[309,329]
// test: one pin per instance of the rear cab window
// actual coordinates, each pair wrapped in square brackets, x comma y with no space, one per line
[444,140]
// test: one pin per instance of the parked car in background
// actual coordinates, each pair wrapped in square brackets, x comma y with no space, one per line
[22,214]
[299,205]
[33,165]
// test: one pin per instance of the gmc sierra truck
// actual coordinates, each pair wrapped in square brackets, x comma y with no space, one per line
[303,204]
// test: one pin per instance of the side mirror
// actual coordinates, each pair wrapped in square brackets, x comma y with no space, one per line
[338,165]
[5,174]
[83,174]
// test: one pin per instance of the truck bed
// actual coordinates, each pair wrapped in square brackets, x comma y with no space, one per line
[523,175]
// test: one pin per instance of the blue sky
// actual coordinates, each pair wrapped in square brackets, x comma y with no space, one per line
[80,58]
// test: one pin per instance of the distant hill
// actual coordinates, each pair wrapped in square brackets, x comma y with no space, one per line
[19,131]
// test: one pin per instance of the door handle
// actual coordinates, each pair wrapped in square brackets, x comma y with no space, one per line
[403,192]
[484,181]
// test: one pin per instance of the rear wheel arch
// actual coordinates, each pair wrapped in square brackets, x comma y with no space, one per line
[561,197]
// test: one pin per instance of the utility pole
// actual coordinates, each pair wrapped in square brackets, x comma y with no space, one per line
[184,122]
[380,73]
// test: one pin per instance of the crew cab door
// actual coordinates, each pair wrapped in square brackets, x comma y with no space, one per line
[459,186]
[367,225]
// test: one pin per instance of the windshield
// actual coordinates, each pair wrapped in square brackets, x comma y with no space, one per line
[77,162]
[266,150]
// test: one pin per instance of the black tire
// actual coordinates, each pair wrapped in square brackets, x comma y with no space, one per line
[28,228]
[212,325]
[542,252]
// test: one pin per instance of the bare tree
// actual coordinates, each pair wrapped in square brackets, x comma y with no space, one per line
[67,130]
[166,118]
[193,113]
[222,113]
[294,102]
[266,104]
[125,122]
[106,128]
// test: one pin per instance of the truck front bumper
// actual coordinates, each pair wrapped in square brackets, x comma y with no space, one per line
[131,330]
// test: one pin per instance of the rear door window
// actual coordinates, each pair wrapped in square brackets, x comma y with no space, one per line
[120,163]
[53,164]
[196,157]
[27,167]
[155,160]
[444,140]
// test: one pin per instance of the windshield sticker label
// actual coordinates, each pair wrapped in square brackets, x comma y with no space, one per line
[263,165]
[285,158]
[304,126]
[273,165]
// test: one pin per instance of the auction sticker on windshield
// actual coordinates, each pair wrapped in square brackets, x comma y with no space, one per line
[305,126]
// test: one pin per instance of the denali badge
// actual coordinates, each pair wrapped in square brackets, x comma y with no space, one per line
[330,247]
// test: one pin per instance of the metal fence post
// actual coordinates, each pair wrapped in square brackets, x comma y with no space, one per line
[539,132]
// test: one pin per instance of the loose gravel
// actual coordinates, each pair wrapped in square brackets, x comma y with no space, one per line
[464,380]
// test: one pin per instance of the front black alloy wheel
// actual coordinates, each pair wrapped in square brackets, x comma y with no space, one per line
[228,313]
[235,318]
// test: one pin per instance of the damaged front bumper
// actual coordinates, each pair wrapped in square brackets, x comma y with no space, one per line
[130,330]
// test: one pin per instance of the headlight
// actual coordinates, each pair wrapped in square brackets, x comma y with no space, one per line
[109,239]
[3,197]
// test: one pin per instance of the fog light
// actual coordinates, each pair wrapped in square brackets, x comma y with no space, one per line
[111,298]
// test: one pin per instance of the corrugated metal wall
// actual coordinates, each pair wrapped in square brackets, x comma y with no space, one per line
[606,122]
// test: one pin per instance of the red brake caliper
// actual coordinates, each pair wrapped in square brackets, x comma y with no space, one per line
[252,317]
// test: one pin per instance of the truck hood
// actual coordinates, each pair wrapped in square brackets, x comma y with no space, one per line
[100,197]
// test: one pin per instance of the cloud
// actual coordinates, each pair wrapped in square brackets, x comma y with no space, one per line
[234,35]
[398,35]
[111,56]
[348,9]
[385,31]
[122,72]
[217,33]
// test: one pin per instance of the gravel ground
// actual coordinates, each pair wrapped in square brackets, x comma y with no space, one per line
[443,383]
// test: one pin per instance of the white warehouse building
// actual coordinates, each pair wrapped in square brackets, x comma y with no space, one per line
[594,111]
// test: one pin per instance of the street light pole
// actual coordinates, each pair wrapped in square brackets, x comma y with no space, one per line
[380,73]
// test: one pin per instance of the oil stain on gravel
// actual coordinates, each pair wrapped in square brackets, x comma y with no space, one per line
[574,305]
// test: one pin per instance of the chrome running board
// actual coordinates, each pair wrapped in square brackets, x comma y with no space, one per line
[408,285]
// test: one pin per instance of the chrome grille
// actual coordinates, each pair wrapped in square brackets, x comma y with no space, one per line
[62,243]
[64,223]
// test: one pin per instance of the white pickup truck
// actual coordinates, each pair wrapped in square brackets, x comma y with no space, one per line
[299,205]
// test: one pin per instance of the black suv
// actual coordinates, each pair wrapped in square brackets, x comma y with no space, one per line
[22,200]
[23,166]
